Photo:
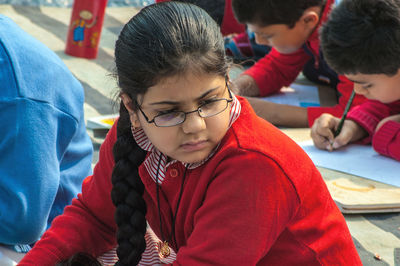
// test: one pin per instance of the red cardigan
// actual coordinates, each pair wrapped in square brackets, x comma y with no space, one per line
[386,140]
[259,200]
[277,70]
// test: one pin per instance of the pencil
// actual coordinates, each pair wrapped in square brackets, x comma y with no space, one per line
[346,110]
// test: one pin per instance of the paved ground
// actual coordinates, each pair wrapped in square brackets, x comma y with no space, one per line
[371,233]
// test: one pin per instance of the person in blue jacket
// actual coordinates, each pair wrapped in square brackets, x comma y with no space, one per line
[45,152]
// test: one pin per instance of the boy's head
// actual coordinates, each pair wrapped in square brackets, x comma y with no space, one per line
[362,41]
[285,25]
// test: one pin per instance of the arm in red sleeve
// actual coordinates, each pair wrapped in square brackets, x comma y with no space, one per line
[386,140]
[345,87]
[241,216]
[277,70]
[88,223]
[368,115]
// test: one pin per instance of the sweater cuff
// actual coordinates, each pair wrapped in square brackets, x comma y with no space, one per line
[384,136]
[314,112]
[366,121]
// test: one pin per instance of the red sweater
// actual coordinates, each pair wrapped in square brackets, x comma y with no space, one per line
[277,70]
[259,200]
[386,140]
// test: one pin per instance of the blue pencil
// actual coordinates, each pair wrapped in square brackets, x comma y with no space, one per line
[346,110]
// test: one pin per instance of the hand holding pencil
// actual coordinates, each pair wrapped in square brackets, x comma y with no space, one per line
[330,133]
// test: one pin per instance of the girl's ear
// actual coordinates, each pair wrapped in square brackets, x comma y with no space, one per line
[128,103]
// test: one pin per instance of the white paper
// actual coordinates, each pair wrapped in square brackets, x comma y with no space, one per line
[296,94]
[359,160]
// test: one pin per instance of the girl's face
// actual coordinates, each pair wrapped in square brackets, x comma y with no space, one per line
[380,87]
[195,138]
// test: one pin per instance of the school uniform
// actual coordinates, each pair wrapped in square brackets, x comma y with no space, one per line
[386,140]
[256,200]
[277,70]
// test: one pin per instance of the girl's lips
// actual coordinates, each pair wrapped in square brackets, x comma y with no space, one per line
[194,146]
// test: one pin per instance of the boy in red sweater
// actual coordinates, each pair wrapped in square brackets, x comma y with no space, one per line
[291,27]
[369,25]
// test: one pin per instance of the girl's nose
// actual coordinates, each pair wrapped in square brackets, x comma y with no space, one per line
[193,123]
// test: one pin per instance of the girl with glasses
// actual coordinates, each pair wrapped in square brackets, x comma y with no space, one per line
[189,175]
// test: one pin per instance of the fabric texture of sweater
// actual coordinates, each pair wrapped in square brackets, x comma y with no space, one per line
[386,140]
[259,200]
[277,70]
[46,152]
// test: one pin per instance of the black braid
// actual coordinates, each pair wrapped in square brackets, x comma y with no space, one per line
[127,194]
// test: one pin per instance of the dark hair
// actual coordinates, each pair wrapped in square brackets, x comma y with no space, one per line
[268,12]
[162,40]
[363,36]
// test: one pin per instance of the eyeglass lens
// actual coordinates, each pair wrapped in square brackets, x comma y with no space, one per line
[206,110]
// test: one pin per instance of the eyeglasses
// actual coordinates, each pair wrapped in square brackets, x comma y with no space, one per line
[210,108]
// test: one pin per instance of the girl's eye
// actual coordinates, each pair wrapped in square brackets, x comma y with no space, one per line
[206,101]
[164,112]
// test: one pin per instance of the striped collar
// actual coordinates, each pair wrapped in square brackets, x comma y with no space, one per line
[151,162]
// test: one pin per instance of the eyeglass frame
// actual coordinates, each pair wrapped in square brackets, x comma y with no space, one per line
[189,112]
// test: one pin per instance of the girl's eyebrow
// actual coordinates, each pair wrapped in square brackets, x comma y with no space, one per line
[177,103]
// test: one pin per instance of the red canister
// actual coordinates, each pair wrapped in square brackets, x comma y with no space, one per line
[85,28]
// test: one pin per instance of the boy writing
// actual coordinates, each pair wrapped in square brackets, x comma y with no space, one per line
[366,25]
[291,27]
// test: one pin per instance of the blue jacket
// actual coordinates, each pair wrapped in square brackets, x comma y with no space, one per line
[45,151]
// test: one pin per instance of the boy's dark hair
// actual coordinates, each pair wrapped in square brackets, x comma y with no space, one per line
[363,36]
[268,12]
[162,40]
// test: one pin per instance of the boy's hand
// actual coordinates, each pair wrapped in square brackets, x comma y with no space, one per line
[323,129]
[395,118]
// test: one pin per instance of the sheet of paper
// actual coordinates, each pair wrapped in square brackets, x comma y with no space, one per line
[101,122]
[359,160]
[296,94]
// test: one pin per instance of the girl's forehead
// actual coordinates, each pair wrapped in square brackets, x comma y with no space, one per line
[182,88]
